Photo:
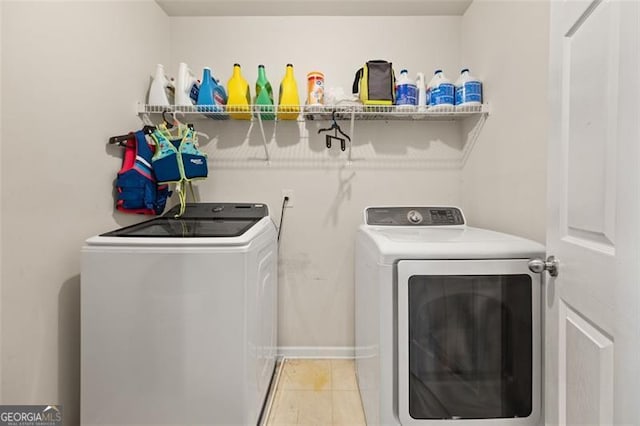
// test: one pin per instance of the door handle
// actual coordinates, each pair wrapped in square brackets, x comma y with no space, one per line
[551,265]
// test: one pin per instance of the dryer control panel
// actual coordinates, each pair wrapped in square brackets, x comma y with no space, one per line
[413,216]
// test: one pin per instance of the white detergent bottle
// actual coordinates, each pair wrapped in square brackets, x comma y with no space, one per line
[161,90]
[422,92]
[440,93]
[406,93]
[187,86]
[468,90]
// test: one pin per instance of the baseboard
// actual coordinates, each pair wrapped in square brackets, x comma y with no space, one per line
[317,351]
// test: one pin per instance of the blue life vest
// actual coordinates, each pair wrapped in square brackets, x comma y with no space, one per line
[178,160]
[136,186]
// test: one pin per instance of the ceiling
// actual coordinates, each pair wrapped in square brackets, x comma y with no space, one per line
[313,7]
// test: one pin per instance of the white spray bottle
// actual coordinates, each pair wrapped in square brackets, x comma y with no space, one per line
[187,86]
[161,90]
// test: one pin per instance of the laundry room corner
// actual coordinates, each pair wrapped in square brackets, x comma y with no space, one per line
[67,75]
[329,212]
[504,178]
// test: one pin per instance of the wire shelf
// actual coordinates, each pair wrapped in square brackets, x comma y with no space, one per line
[392,112]
[352,112]
[321,112]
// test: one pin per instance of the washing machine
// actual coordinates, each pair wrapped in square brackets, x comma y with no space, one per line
[179,318]
[448,321]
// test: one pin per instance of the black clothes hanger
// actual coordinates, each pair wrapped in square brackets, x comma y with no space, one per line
[168,123]
[121,139]
[336,128]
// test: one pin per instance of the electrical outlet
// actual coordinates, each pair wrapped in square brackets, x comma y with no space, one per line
[288,193]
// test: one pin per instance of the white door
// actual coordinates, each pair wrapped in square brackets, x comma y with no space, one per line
[593,305]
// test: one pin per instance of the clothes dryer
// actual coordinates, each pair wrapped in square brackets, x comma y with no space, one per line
[448,321]
[179,318]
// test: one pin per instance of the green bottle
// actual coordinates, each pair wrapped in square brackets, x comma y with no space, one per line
[264,95]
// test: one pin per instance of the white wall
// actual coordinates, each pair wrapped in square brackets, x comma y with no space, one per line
[396,162]
[71,73]
[505,43]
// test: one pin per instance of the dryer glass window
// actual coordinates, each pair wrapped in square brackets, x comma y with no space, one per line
[470,354]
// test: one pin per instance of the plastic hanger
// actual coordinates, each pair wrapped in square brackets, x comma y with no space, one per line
[190,126]
[336,128]
[172,121]
[148,129]
[146,119]
[203,134]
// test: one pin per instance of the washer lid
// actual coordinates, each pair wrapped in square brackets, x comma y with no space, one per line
[397,243]
[200,220]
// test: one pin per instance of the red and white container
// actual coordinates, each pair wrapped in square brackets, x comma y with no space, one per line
[315,88]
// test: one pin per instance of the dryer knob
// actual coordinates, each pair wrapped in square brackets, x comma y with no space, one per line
[414,216]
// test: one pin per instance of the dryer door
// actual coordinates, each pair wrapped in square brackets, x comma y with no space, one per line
[469,341]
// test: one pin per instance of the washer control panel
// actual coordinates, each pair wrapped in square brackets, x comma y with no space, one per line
[413,216]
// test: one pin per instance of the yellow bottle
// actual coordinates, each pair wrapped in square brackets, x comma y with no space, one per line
[239,96]
[288,99]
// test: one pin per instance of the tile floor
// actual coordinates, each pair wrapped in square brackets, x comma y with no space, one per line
[318,392]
